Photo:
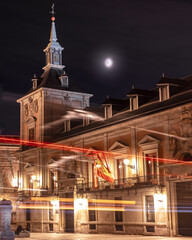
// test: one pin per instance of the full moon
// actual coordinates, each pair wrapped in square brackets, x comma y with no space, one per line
[108,62]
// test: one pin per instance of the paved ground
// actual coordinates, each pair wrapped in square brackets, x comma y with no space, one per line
[70,236]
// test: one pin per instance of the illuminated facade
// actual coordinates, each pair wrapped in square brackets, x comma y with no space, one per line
[146,135]
[9,175]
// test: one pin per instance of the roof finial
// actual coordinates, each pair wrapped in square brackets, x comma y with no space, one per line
[163,75]
[133,86]
[53,12]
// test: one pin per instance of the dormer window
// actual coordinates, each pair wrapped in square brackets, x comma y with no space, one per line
[134,102]
[86,121]
[164,93]
[64,80]
[67,126]
[108,111]
[34,80]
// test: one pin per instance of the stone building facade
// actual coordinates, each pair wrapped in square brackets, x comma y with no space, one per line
[9,175]
[146,140]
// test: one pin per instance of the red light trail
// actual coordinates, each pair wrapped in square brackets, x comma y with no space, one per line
[91,152]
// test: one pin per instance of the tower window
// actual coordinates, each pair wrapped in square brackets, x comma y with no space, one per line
[31,134]
[56,58]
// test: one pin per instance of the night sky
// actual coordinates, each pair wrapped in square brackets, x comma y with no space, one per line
[145,38]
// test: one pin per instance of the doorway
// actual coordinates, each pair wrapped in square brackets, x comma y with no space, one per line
[69,215]
[184,208]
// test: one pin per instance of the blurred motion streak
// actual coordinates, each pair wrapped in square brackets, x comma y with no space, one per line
[74,114]
[92,152]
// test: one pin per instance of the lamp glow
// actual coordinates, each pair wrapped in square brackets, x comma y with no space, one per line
[14,182]
[55,203]
[33,177]
[126,161]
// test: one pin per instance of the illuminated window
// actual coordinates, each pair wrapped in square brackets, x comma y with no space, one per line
[149,208]
[150,160]
[149,146]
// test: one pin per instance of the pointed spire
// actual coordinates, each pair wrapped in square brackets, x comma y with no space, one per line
[53,36]
[53,51]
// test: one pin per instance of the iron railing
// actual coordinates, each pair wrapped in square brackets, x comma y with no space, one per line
[132,182]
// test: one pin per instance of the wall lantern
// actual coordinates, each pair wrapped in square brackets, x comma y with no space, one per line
[14,182]
[81,203]
[55,203]
[33,177]
[126,162]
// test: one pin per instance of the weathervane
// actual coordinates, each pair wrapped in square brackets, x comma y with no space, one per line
[53,11]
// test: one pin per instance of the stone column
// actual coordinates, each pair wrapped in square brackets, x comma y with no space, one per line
[5,221]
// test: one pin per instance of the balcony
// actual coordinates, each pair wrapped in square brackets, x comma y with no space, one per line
[43,192]
[124,183]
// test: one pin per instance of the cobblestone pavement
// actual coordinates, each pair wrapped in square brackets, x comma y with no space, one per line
[68,236]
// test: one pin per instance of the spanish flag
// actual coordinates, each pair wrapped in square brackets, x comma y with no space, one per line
[103,170]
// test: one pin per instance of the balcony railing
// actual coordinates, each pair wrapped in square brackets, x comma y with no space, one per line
[133,182]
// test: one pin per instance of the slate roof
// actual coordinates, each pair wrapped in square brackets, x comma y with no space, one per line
[142,92]
[168,80]
[116,101]
[155,106]
[97,110]
[50,79]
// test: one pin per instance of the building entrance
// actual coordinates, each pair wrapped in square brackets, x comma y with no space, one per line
[69,215]
[184,208]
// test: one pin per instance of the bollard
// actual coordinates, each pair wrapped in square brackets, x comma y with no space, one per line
[5,220]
